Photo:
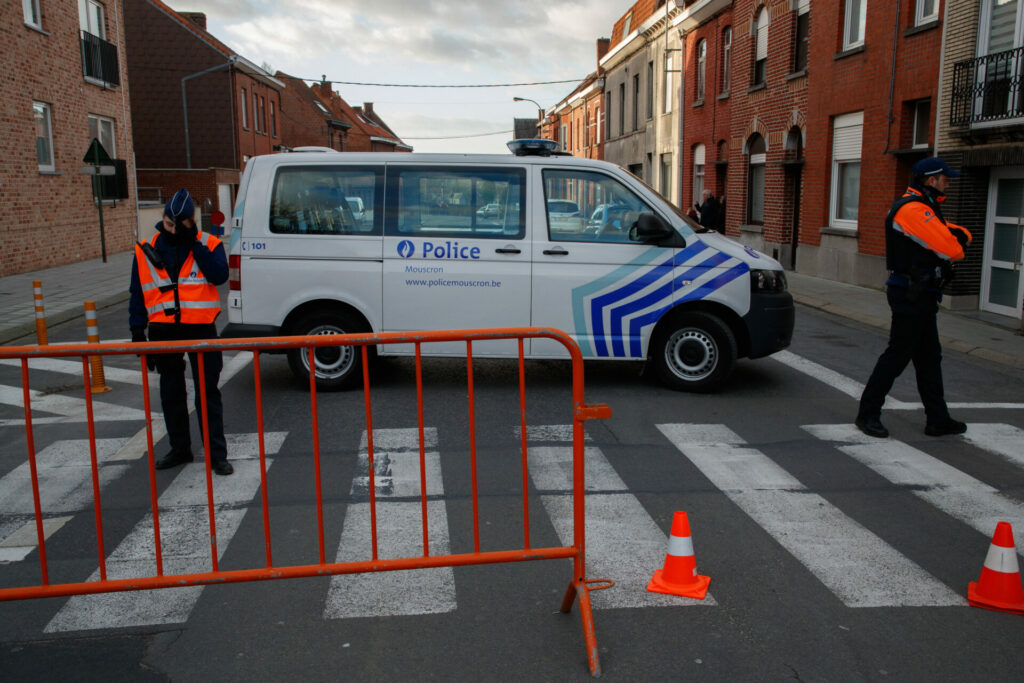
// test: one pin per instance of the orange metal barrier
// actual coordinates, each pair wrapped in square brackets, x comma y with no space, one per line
[578,585]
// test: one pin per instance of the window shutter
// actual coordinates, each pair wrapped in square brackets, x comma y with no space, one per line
[846,136]
[698,155]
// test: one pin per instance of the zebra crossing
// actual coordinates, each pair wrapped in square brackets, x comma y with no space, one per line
[624,540]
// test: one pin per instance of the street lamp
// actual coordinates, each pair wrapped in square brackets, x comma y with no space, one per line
[526,99]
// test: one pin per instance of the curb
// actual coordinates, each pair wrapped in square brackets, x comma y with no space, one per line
[58,316]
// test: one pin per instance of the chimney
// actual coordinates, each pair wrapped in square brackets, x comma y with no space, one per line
[602,47]
[197,18]
[368,108]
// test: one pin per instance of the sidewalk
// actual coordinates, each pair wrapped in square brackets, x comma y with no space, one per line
[66,288]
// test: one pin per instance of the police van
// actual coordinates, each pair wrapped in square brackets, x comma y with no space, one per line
[478,241]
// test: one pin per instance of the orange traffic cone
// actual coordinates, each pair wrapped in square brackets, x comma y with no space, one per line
[999,587]
[679,577]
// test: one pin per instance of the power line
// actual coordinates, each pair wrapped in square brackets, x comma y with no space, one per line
[459,137]
[423,85]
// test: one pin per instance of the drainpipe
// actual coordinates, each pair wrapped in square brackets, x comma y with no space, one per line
[892,76]
[184,102]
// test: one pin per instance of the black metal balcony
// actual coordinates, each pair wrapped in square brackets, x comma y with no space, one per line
[988,89]
[99,59]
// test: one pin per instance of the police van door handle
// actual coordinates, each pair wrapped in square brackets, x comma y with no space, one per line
[507,250]
[557,251]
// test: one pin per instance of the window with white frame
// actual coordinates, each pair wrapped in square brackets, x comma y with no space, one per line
[761,47]
[33,18]
[627,24]
[702,63]
[667,107]
[922,121]
[666,176]
[801,35]
[847,133]
[256,112]
[44,136]
[564,137]
[245,118]
[854,21]
[622,108]
[92,18]
[636,102]
[101,128]
[650,89]
[726,59]
[273,120]
[926,11]
[699,160]
[757,152]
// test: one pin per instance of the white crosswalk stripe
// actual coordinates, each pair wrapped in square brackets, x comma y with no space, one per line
[623,542]
[185,542]
[956,493]
[861,569]
[399,532]
[1002,439]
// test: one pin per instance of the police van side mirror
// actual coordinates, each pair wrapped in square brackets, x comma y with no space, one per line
[650,228]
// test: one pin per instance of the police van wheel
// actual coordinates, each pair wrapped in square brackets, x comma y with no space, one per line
[337,367]
[694,351]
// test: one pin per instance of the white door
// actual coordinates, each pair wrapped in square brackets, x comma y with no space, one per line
[1002,285]
[456,254]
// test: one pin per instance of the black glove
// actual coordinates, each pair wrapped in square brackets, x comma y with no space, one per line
[186,235]
[961,237]
[139,335]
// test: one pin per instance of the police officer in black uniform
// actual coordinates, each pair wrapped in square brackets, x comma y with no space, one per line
[920,247]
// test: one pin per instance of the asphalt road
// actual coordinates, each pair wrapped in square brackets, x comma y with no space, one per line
[831,556]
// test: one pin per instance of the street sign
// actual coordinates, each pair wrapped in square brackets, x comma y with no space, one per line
[96,155]
[99,170]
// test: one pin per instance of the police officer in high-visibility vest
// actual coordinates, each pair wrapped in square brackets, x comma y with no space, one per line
[174,292]
[920,248]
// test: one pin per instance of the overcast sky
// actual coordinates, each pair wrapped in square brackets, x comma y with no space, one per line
[425,42]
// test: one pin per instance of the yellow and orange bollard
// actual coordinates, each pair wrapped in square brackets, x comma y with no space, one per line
[99,384]
[37,293]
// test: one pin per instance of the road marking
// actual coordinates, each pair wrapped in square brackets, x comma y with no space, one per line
[956,493]
[399,532]
[69,408]
[185,540]
[860,568]
[17,546]
[623,542]
[1002,439]
[854,389]
[74,367]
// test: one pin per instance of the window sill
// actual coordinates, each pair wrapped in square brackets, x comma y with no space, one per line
[921,28]
[724,96]
[697,103]
[840,231]
[42,172]
[99,83]
[756,87]
[751,228]
[37,29]
[855,50]
[802,73]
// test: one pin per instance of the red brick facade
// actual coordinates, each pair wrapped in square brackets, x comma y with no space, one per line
[50,217]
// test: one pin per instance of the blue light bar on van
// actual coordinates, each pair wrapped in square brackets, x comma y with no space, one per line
[533,147]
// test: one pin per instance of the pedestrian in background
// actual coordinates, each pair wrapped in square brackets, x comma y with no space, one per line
[920,248]
[174,292]
[708,210]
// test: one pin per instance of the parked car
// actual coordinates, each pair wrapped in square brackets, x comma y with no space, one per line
[489,210]
[564,216]
[607,217]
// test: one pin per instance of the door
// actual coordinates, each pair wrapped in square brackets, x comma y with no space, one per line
[1002,286]
[455,254]
[1000,65]
[589,278]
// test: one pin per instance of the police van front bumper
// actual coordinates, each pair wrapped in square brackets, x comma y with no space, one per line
[769,322]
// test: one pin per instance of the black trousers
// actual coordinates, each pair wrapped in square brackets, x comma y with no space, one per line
[173,395]
[913,336]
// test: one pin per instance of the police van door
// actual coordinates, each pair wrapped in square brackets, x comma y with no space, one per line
[455,253]
[590,279]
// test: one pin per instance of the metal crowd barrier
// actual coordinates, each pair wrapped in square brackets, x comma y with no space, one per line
[578,585]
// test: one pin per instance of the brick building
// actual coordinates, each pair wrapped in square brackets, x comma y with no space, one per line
[306,120]
[368,132]
[66,84]
[200,109]
[981,133]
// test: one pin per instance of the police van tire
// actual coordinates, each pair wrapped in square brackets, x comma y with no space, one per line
[694,351]
[337,367]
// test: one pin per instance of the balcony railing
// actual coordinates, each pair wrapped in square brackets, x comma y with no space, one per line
[99,59]
[988,89]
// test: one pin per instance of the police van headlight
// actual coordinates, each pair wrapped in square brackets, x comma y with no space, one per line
[767,281]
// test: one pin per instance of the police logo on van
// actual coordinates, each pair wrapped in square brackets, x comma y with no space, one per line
[406,249]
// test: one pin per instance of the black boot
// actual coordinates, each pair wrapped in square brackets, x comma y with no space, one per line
[173,459]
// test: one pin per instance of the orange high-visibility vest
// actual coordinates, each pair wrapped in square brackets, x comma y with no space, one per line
[197,299]
[918,221]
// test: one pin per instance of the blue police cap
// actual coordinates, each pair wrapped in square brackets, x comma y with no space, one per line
[933,166]
[180,205]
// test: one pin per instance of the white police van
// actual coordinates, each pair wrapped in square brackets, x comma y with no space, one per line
[423,254]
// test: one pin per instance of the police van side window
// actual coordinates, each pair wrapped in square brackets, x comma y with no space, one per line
[327,200]
[590,207]
[445,201]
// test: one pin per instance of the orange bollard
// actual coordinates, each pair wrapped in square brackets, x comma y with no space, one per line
[679,577]
[99,384]
[999,587]
[37,294]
